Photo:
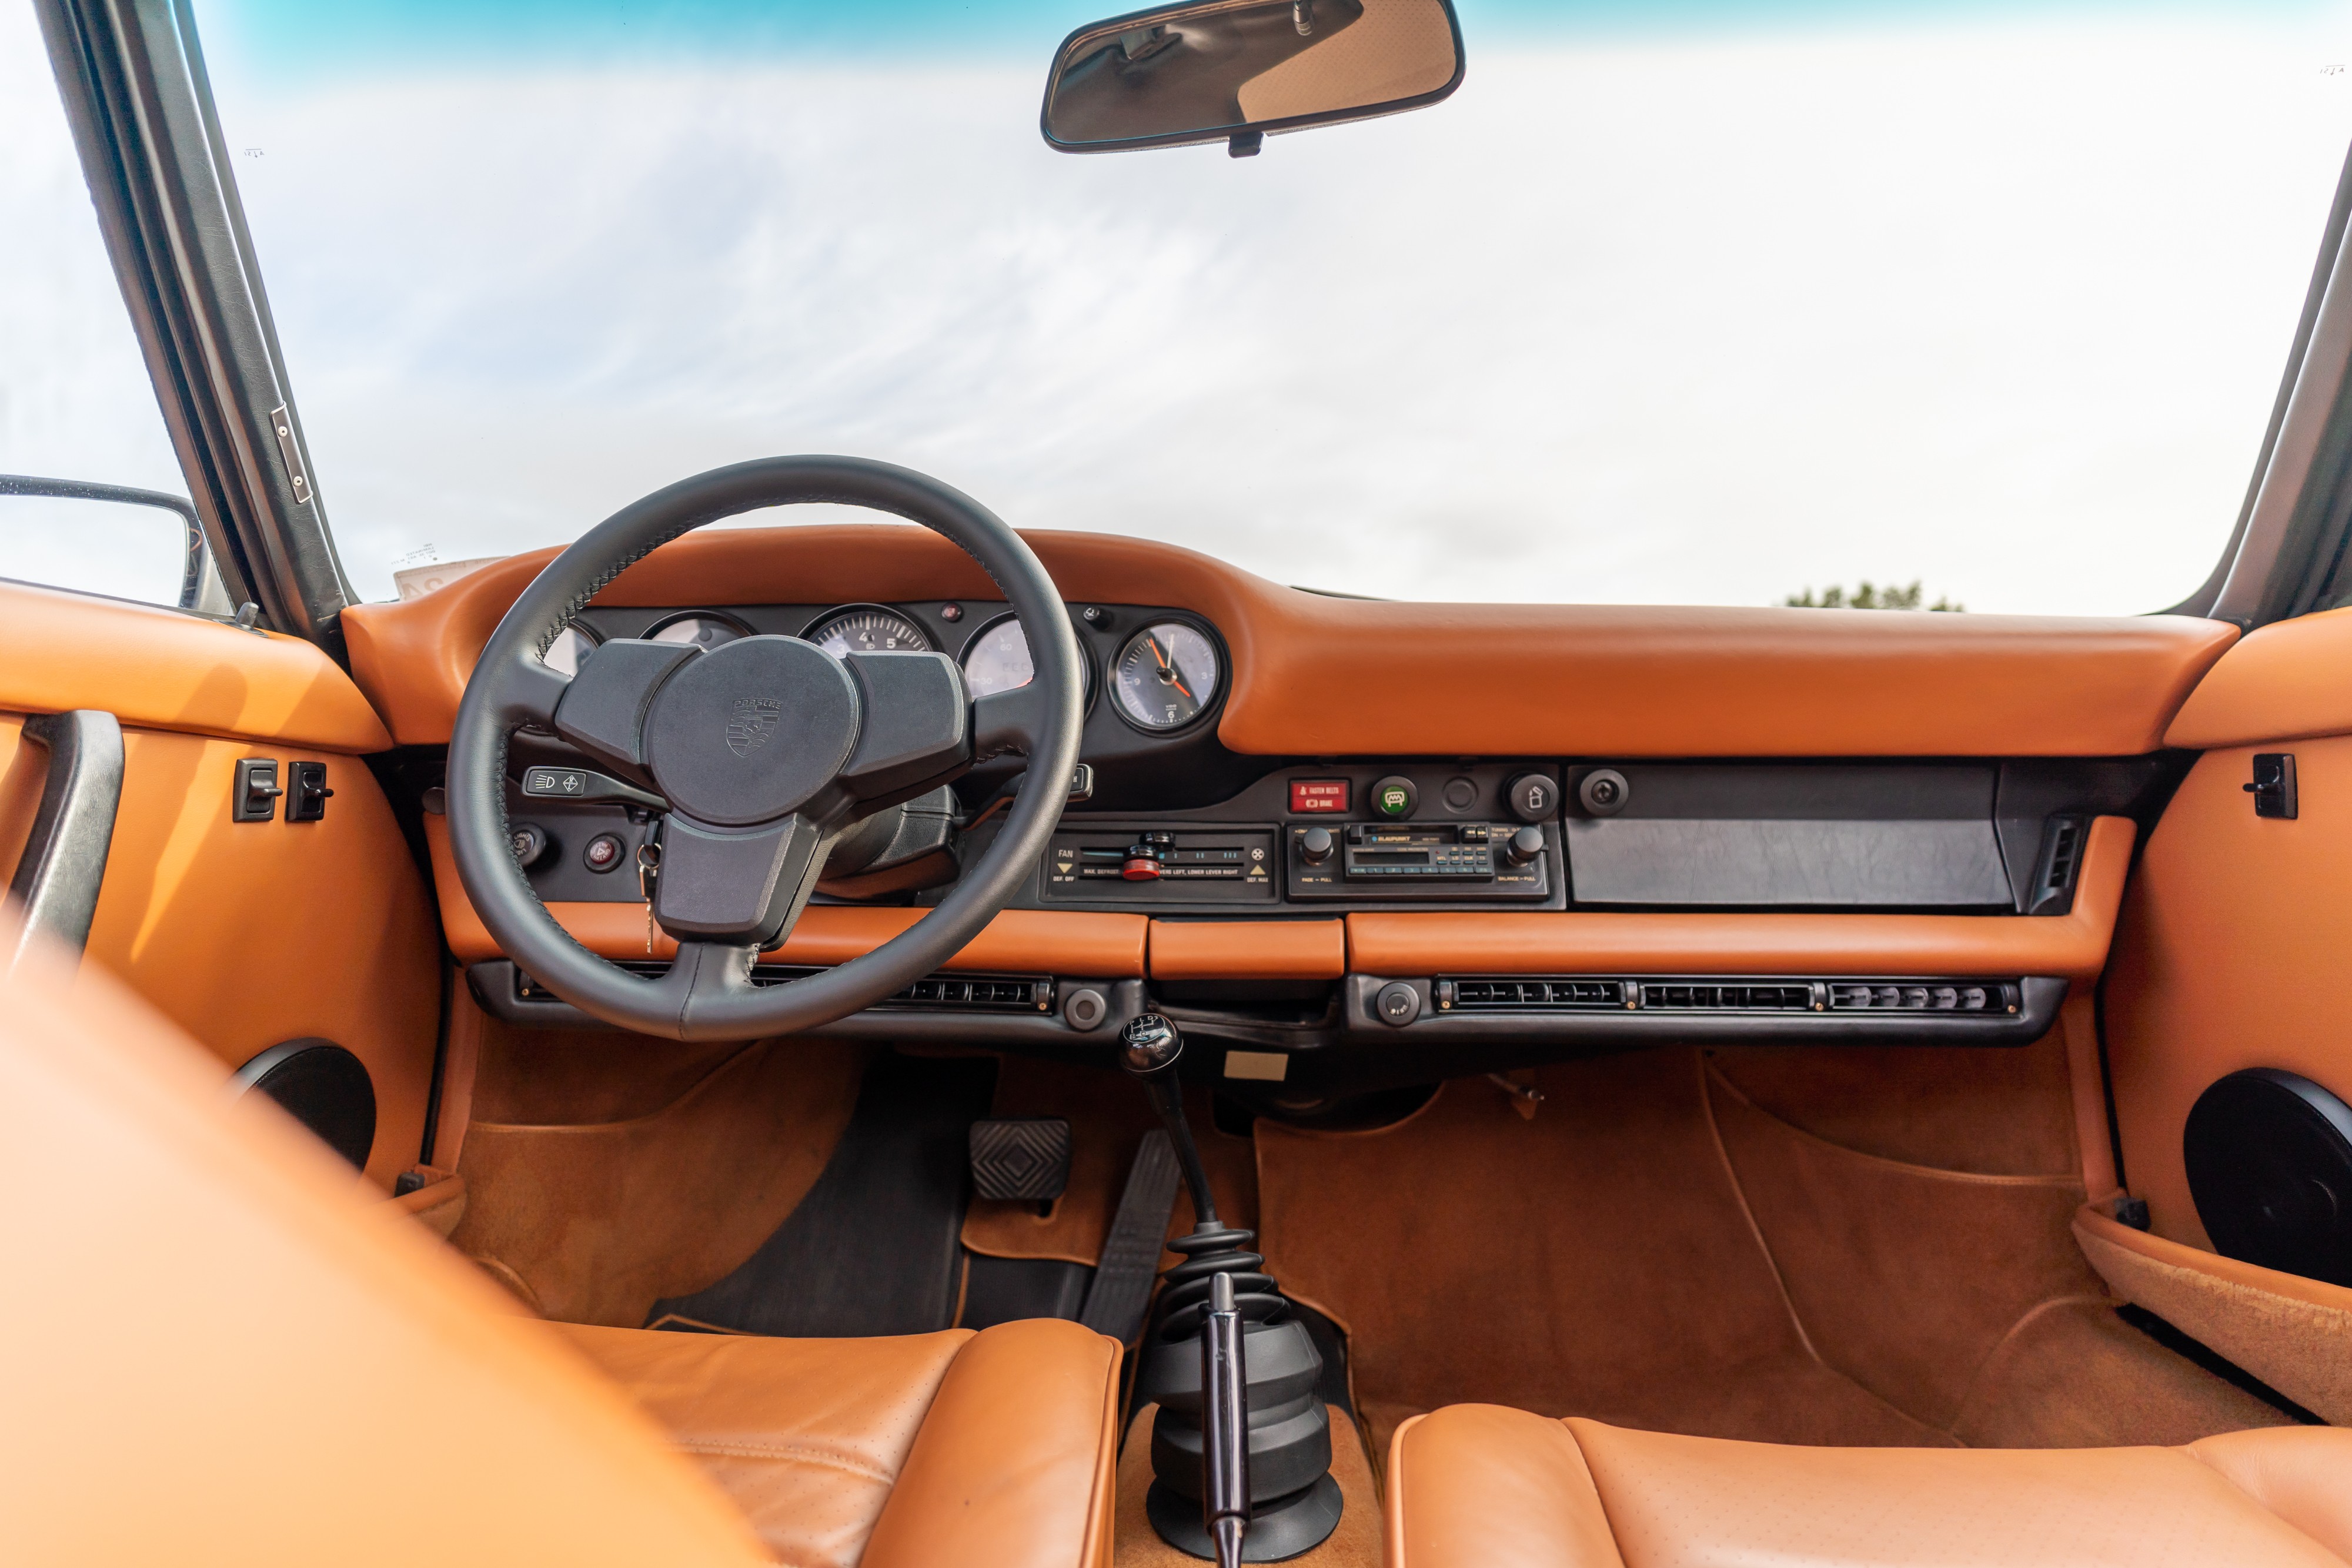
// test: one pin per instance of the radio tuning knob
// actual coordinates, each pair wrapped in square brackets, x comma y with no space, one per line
[1524,846]
[1315,845]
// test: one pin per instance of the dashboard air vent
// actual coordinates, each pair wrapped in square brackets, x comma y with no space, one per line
[945,993]
[1721,994]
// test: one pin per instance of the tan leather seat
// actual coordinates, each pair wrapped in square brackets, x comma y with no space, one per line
[1480,1485]
[221,1349]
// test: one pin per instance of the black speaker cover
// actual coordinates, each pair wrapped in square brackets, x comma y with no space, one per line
[322,1086]
[2269,1164]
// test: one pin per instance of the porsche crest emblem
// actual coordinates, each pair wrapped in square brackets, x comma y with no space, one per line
[752,722]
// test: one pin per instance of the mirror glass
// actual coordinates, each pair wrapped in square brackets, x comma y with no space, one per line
[1203,71]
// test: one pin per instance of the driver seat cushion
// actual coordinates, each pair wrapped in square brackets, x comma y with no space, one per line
[993,1447]
[1479,1484]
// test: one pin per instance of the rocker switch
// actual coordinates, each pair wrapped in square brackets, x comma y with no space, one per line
[2273,785]
[307,791]
[256,797]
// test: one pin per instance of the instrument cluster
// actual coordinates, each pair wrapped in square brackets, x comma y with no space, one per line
[1166,670]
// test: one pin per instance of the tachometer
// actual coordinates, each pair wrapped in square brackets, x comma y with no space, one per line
[1166,675]
[867,629]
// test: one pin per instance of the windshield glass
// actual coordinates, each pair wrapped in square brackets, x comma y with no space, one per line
[1706,302]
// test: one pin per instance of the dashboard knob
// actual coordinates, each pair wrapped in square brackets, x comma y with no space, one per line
[1532,798]
[1315,845]
[1140,868]
[1398,1004]
[1524,846]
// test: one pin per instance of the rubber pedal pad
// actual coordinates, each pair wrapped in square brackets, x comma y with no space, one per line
[1024,1158]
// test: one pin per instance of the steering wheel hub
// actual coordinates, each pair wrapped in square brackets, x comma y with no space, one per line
[751,731]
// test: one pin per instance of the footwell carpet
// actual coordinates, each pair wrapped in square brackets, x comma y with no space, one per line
[872,1249]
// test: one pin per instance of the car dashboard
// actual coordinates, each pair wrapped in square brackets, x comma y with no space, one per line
[1383,893]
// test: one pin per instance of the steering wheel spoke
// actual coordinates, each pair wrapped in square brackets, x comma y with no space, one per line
[916,733]
[736,884]
[603,708]
[1012,721]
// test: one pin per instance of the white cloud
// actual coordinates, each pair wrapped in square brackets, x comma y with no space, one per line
[2003,307]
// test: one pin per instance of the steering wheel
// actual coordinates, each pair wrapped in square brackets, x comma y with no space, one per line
[766,749]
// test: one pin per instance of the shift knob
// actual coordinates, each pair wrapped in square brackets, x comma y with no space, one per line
[1149,1047]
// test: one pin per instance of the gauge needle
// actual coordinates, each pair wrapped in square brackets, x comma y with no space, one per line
[1172,677]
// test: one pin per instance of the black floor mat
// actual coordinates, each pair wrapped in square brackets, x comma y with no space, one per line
[875,1247]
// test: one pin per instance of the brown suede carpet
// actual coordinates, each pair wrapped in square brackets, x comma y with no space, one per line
[1654,1249]
[605,1171]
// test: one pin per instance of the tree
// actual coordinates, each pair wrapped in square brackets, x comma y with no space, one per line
[1866,597]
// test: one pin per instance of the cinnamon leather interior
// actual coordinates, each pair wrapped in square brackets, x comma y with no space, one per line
[244,935]
[331,1385]
[993,1447]
[1483,1487]
[1493,679]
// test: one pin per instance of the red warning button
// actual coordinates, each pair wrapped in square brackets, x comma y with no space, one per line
[1315,796]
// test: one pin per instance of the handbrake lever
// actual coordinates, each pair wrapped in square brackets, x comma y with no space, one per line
[1225,1426]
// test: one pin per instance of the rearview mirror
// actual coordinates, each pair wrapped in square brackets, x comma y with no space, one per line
[1232,71]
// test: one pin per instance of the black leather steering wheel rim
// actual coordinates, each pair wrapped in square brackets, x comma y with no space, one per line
[708,993]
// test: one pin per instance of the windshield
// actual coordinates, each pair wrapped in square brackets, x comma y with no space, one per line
[1706,302]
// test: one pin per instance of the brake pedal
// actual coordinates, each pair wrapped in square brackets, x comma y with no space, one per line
[1026,1158]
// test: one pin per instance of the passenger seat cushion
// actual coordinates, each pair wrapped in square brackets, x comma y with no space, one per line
[1480,1484]
[809,1437]
[1499,1488]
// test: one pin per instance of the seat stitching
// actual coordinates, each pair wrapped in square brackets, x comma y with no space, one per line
[803,1455]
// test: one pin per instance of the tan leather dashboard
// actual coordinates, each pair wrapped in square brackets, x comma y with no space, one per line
[1098,946]
[1486,679]
[2284,682]
[1115,946]
[161,669]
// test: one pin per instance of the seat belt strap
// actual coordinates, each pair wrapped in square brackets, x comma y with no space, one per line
[1130,1263]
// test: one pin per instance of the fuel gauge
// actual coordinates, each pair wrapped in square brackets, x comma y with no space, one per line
[1166,675]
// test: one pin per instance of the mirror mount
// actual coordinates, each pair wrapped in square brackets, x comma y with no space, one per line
[1238,70]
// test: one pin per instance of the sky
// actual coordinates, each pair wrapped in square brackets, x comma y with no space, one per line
[1704,302]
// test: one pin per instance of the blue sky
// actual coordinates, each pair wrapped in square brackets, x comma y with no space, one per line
[1696,302]
[369,34]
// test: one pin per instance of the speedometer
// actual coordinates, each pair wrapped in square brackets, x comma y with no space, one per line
[867,629]
[1167,675]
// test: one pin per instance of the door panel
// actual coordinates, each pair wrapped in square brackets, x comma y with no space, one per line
[244,934]
[2230,949]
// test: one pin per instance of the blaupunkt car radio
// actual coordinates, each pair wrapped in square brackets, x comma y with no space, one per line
[1453,860]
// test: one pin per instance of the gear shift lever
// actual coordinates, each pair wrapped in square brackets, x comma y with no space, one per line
[1224,1358]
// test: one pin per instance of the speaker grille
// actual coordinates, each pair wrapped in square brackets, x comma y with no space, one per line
[2270,1167]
